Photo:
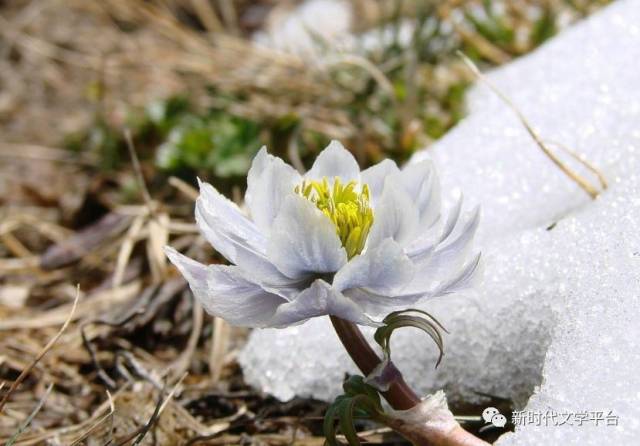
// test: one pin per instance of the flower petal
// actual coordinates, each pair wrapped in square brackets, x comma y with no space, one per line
[440,277]
[421,183]
[380,304]
[452,219]
[375,304]
[269,181]
[319,300]
[237,251]
[383,269]
[447,258]
[375,175]
[423,246]
[224,226]
[334,161]
[268,276]
[304,241]
[468,277]
[395,216]
[238,240]
[225,292]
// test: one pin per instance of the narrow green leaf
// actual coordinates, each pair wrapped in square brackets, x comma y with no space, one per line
[329,426]
[408,318]
[347,426]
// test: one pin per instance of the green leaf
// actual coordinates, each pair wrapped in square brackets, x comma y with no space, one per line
[346,422]
[400,319]
[329,424]
[355,385]
[359,401]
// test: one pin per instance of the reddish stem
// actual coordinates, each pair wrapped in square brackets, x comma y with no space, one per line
[400,396]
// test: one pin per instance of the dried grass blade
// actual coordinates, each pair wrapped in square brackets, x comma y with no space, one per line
[126,249]
[573,175]
[43,352]
[27,422]
[218,347]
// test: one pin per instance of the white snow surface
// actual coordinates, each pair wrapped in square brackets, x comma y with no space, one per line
[557,315]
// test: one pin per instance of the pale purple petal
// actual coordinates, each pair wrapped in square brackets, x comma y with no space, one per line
[224,226]
[238,252]
[238,240]
[319,300]
[269,277]
[224,291]
[304,241]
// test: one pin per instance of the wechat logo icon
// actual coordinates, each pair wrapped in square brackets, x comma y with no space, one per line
[493,417]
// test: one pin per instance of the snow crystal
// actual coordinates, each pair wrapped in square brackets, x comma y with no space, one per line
[592,362]
[562,272]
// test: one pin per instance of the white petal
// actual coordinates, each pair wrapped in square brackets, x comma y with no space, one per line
[304,241]
[265,273]
[447,258]
[237,239]
[452,219]
[395,216]
[421,182]
[459,241]
[468,277]
[225,292]
[248,259]
[335,161]
[375,175]
[383,269]
[269,181]
[319,300]
[224,226]
[380,304]
[423,246]
[372,303]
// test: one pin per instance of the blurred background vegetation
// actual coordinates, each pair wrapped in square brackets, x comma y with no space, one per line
[201,93]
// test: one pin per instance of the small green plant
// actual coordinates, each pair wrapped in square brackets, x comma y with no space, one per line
[218,143]
[178,139]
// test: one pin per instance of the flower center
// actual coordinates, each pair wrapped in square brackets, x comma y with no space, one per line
[346,206]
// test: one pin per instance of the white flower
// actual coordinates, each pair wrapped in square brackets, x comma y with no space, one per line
[335,241]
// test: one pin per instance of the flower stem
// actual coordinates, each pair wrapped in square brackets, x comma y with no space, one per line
[400,396]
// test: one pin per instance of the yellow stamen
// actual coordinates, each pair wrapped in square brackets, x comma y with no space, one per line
[347,208]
